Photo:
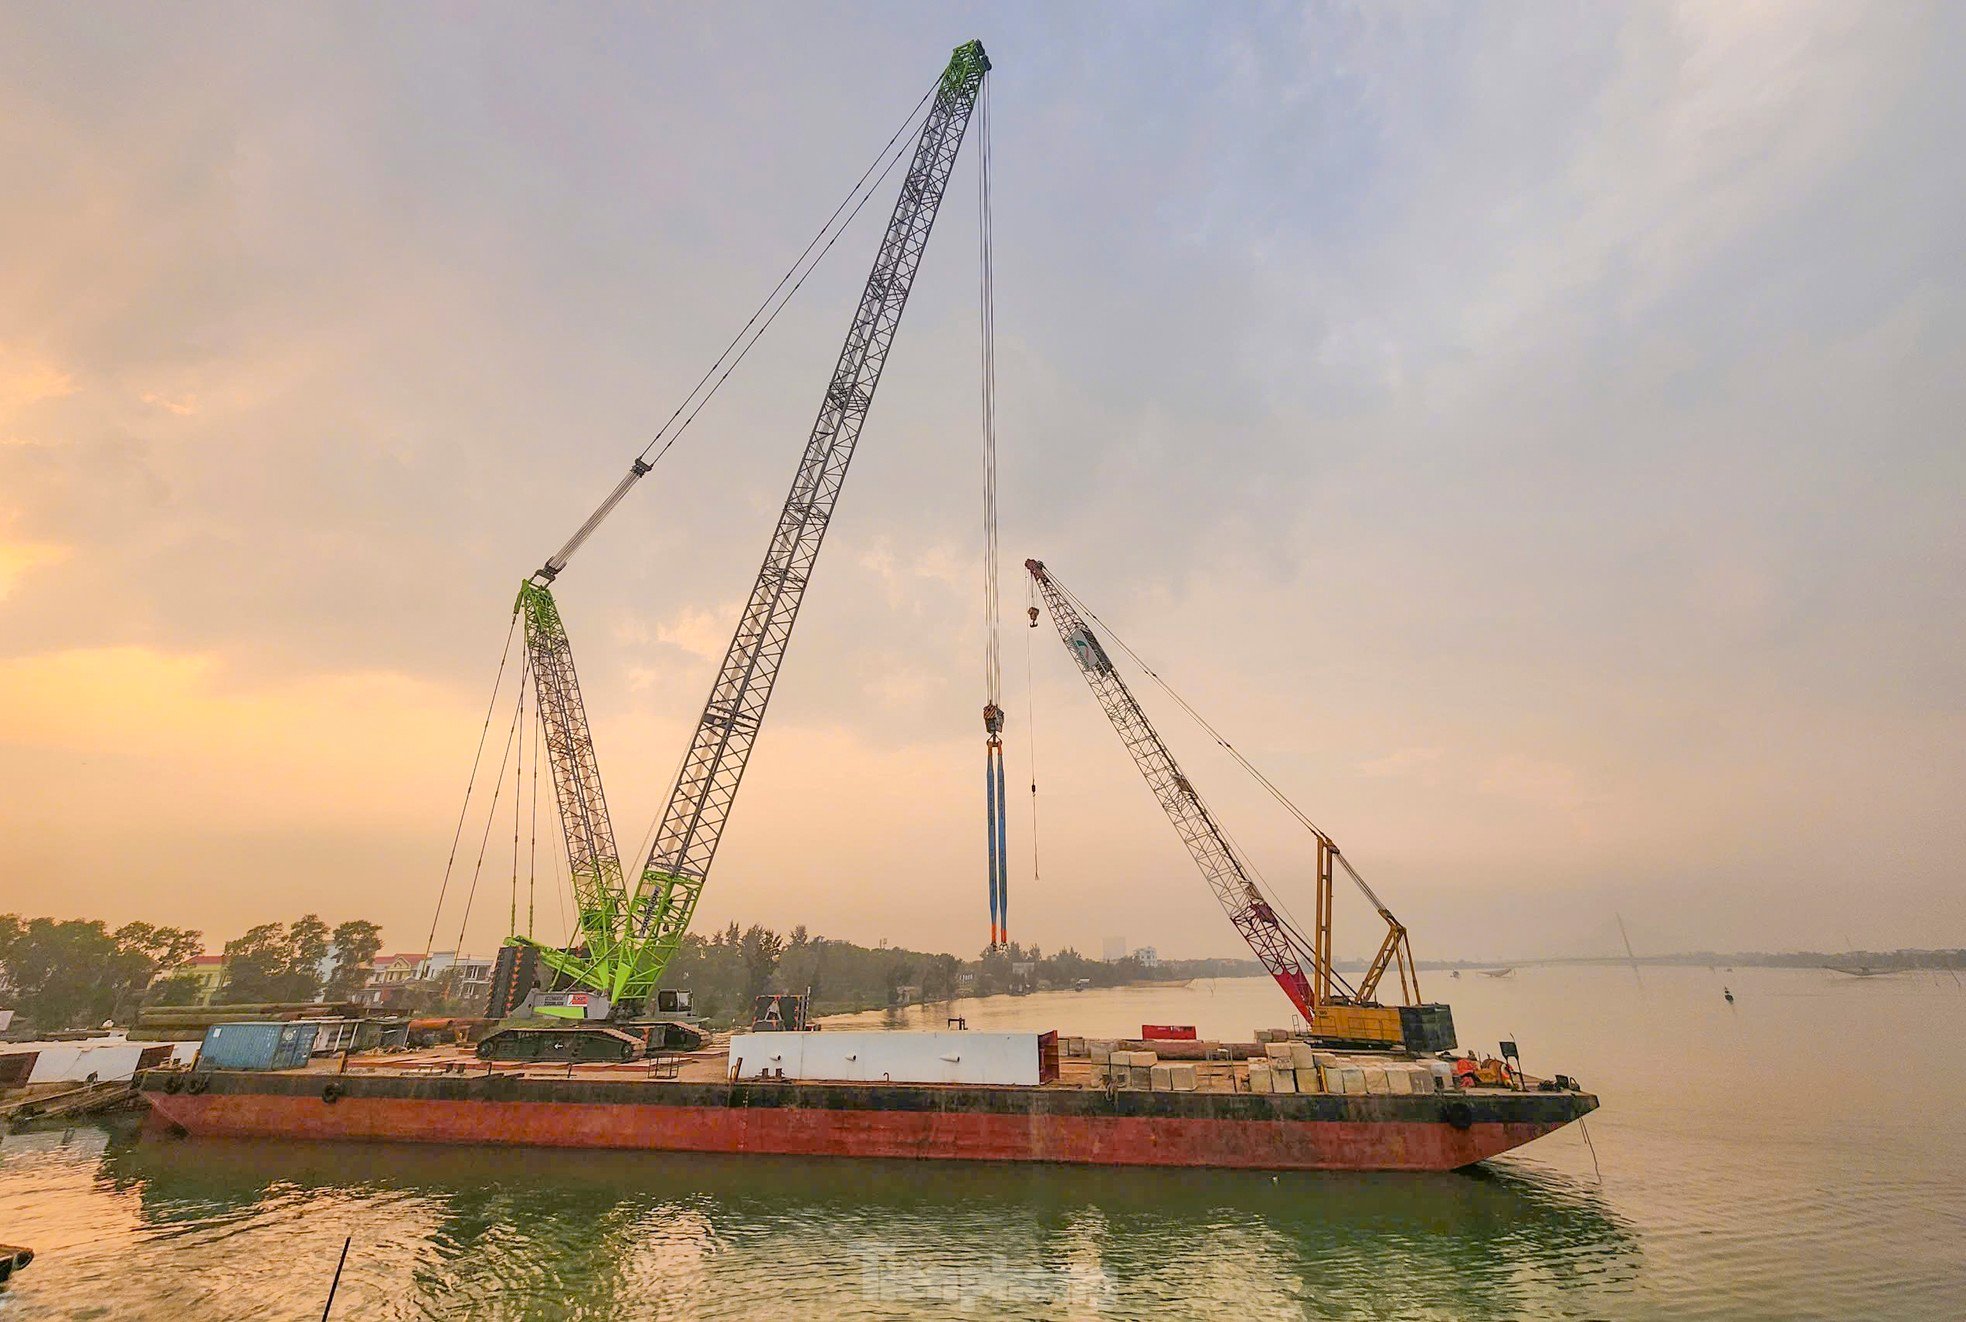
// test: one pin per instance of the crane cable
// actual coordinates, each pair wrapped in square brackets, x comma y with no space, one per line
[532,844]
[471,785]
[987,314]
[1031,727]
[1255,773]
[498,788]
[1286,918]
[678,422]
[518,806]
[996,810]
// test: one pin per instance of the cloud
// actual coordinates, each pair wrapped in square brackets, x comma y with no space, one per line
[27,378]
[18,558]
[1531,435]
[183,406]
[1538,782]
[1401,762]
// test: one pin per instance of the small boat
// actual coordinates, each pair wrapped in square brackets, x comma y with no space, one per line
[1728,992]
[1497,973]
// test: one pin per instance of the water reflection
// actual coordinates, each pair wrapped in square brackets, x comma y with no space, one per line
[448,1232]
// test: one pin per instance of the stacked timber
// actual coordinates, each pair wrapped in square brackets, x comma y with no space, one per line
[187,1023]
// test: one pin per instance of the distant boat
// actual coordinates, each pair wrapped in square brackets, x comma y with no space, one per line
[1728,992]
[1862,971]
[1497,973]
[1457,973]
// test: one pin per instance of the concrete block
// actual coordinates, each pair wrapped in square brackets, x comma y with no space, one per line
[1346,1079]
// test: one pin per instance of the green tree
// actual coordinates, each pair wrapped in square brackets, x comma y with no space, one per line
[275,962]
[179,989]
[759,948]
[77,973]
[307,948]
[355,943]
[939,977]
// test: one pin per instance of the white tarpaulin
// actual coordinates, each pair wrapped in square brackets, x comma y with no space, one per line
[874,1057]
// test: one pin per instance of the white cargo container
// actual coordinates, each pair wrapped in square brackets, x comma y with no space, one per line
[1259,1076]
[1283,1080]
[878,1057]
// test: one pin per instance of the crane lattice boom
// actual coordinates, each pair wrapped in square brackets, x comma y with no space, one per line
[630,938]
[1292,964]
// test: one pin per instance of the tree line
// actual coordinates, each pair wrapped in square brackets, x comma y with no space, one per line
[76,973]
[73,973]
[727,971]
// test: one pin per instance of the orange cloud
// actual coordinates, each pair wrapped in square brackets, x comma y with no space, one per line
[299,745]
[183,406]
[17,557]
[27,378]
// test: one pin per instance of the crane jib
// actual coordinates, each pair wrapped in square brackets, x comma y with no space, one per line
[1290,961]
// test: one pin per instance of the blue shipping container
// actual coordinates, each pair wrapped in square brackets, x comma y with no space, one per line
[270,1046]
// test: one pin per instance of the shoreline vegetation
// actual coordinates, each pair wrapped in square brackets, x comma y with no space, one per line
[61,974]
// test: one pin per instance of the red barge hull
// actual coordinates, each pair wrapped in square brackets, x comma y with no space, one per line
[1045,1124]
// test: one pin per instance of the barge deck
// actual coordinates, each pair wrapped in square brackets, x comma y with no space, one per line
[445,1099]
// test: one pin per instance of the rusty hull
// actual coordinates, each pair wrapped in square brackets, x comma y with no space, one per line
[1046,1124]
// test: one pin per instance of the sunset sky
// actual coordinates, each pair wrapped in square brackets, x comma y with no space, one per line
[1532,433]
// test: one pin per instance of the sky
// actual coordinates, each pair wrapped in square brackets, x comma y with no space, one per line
[1529,433]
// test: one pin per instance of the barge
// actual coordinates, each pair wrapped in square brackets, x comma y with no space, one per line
[1075,1117]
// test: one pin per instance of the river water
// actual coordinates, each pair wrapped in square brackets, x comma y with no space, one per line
[1800,1153]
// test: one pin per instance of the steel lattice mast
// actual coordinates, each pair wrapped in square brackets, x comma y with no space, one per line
[691,827]
[1301,971]
[626,941]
